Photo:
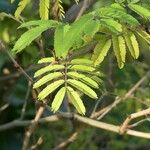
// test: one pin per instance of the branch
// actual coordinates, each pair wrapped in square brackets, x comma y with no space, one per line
[32,127]
[23,123]
[81,119]
[131,117]
[110,127]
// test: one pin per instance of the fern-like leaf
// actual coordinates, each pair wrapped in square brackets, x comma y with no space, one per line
[76,100]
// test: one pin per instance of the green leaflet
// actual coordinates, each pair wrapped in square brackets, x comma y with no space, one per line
[49,89]
[73,33]
[76,100]
[140,10]
[91,28]
[81,68]
[100,51]
[44,9]
[22,4]
[132,44]
[47,69]
[58,99]
[144,35]
[81,61]
[112,25]
[118,6]
[121,15]
[119,49]
[51,23]
[28,37]
[47,78]
[97,79]
[59,41]
[46,60]
[83,78]
[82,87]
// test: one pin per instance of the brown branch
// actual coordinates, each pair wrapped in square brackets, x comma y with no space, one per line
[23,123]
[125,124]
[81,119]
[110,127]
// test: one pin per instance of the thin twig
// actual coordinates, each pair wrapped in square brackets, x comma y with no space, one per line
[2,108]
[38,143]
[25,101]
[68,141]
[127,95]
[32,128]
[137,123]
[16,64]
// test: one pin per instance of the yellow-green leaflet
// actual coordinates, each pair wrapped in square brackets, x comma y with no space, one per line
[58,99]
[22,4]
[47,78]
[97,79]
[81,61]
[101,51]
[82,87]
[83,78]
[82,68]
[47,69]
[119,49]
[144,35]
[44,9]
[46,60]
[76,100]
[49,89]
[132,44]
